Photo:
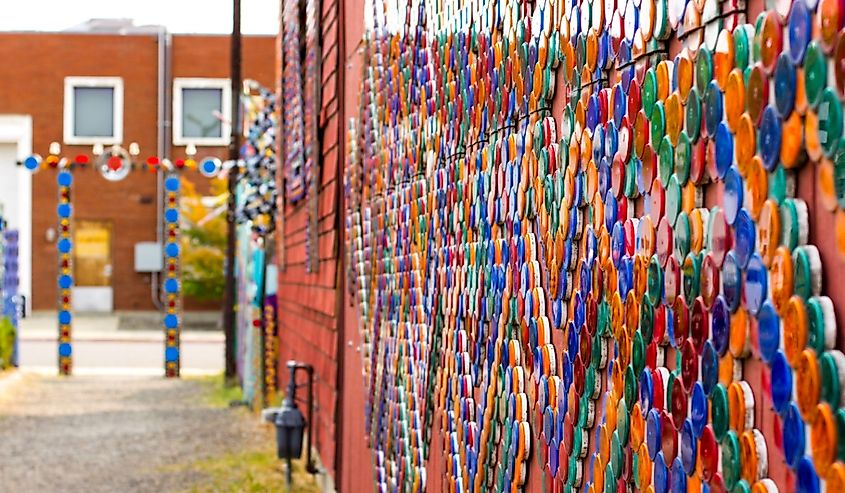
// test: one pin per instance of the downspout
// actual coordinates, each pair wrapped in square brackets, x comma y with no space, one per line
[163,146]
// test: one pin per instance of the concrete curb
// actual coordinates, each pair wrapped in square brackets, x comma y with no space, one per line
[107,371]
[123,337]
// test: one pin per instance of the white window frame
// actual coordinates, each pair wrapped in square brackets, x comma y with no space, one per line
[71,83]
[180,83]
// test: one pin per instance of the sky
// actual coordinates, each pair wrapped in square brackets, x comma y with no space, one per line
[179,16]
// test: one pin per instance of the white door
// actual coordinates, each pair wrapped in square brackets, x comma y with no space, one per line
[16,190]
[92,290]
[9,192]
[9,184]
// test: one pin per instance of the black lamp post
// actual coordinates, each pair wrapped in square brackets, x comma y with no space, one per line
[290,423]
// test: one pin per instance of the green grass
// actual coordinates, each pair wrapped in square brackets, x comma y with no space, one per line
[218,392]
[252,471]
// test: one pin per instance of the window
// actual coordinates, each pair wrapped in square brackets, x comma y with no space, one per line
[93,110]
[201,110]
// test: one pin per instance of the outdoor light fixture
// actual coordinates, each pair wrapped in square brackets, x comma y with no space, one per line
[290,428]
[290,423]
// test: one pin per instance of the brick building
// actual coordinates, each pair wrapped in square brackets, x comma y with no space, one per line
[108,82]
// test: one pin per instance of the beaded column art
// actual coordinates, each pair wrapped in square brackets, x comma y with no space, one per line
[271,349]
[12,303]
[172,276]
[114,165]
[64,247]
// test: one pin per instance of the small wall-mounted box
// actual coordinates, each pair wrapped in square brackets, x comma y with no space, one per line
[148,257]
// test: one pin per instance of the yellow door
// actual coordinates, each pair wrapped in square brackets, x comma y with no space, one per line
[92,253]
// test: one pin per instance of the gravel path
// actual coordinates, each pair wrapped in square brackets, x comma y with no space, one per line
[112,434]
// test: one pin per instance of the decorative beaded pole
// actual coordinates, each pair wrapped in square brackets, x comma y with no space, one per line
[64,246]
[172,276]
[114,165]
[12,302]
[271,348]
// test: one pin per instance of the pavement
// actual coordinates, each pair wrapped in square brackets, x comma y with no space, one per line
[116,425]
[116,344]
[110,433]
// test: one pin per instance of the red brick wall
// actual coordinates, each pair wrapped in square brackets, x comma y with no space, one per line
[357,467]
[308,302]
[208,56]
[32,82]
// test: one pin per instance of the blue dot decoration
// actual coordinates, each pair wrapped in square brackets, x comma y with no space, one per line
[720,325]
[808,478]
[709,367]
[794,435]
[800,31]
[64,317]
[32,163]
[209,166]
[769,138]
[661,474]
[171,215]
[768,323]
[65,350]
[171,250]
[64,179]
[64,245]
[785,80]
[65,281]
[698,409]
[64,210]
[171,321]
[724,149]
[679,477]
[746,237]
[653,433]
[756,283]
[171,286]
[734,194]
[171,184]
[781,382]
[689,447]
[171,354]
[732,281]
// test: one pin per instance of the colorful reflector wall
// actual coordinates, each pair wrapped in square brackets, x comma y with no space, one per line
[580,245]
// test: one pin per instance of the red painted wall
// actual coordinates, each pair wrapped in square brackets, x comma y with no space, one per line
[309,339]
[311,309]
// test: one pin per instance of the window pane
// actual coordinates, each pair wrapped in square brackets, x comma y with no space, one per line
[93,111]
[198,108]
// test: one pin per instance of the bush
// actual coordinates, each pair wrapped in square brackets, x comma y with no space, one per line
[203,242]
[7,342]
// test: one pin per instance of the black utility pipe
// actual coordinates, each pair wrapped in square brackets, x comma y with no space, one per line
[229,298]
